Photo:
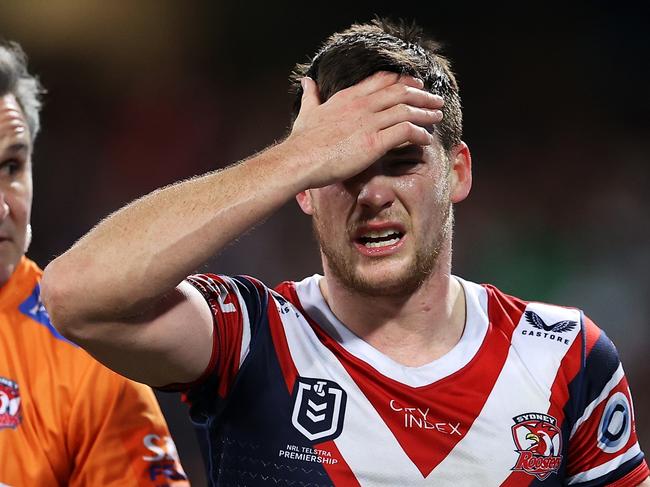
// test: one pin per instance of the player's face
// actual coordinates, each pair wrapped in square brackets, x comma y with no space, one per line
[15,185]
[382,231]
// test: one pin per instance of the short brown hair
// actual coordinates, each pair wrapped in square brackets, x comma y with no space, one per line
[352,55]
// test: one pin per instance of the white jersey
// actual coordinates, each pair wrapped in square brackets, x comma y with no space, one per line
[532,394]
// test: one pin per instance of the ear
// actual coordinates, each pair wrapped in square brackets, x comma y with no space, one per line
[304,200]
[460,172]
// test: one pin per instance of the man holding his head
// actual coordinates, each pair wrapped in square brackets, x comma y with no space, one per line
[387,370]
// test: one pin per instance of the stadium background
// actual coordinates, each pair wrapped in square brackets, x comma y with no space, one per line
[556,106]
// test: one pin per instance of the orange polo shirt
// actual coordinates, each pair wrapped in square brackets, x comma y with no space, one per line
[65,419]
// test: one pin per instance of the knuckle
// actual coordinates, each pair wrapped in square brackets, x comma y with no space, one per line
[402,90]
[416,132]
[398,91]
[405,129]
[406,110]
[341,94]
[370,141]
[389,75]
[358,104]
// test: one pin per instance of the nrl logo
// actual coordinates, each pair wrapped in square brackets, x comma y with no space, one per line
[318,408]
[539,444]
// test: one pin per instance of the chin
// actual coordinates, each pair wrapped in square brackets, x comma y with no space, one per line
[383,279]
[8,263]
[5,273]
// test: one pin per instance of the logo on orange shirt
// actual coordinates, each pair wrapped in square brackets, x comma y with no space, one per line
[9,404]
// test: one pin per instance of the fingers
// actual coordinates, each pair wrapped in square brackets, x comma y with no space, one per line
[403,133]
[394,98]
[381,80]
[406,113]
[400,93]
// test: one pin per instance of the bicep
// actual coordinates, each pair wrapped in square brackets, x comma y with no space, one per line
[170,343]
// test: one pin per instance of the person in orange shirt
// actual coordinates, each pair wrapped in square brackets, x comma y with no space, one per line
[65,419]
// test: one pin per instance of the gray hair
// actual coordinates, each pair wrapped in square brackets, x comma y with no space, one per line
[15,80]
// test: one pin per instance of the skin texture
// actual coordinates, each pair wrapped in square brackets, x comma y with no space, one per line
[15,185]
[407,189]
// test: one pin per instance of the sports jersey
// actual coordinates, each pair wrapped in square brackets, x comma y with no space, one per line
[532,394]
[65,419]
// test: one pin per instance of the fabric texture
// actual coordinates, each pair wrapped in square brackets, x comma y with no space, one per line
[65,419]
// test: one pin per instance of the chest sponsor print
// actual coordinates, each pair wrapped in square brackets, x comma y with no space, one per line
[318,408]
[538,441]
[421,418]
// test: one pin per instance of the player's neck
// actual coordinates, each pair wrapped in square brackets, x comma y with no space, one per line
[412,330]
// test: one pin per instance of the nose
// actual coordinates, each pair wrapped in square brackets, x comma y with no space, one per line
[376,193]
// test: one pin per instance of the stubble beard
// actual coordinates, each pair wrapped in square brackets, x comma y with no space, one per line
[403,284]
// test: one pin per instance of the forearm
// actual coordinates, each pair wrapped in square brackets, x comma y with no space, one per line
[141,252]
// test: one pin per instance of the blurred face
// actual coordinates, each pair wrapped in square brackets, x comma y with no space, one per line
[15,185]
[382,231]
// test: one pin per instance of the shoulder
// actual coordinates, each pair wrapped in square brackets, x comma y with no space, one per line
[543,333]
[546,321]
[550,322]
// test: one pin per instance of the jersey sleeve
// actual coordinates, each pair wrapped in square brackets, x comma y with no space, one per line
[603,446]
[238,306]
[118,436]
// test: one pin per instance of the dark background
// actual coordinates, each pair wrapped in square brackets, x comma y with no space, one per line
[556,109]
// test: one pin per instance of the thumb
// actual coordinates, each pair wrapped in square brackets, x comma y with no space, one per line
[310,94]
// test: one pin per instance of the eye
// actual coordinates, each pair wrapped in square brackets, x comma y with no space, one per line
[402,166]
[10,167]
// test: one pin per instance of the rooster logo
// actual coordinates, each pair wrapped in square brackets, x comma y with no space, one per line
[541,435]
[539,444]
[559,327]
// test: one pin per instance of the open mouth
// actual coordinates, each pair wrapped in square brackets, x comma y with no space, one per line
[376,239]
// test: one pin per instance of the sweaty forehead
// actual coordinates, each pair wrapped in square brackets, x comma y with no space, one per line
[13,126]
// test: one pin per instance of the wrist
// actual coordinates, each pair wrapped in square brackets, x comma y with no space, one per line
[291,163]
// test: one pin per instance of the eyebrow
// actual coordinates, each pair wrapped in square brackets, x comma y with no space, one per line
[17,147]
[409,150]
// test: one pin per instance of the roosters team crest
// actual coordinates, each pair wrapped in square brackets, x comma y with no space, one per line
[318,408]
[9,404]
[539,444]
